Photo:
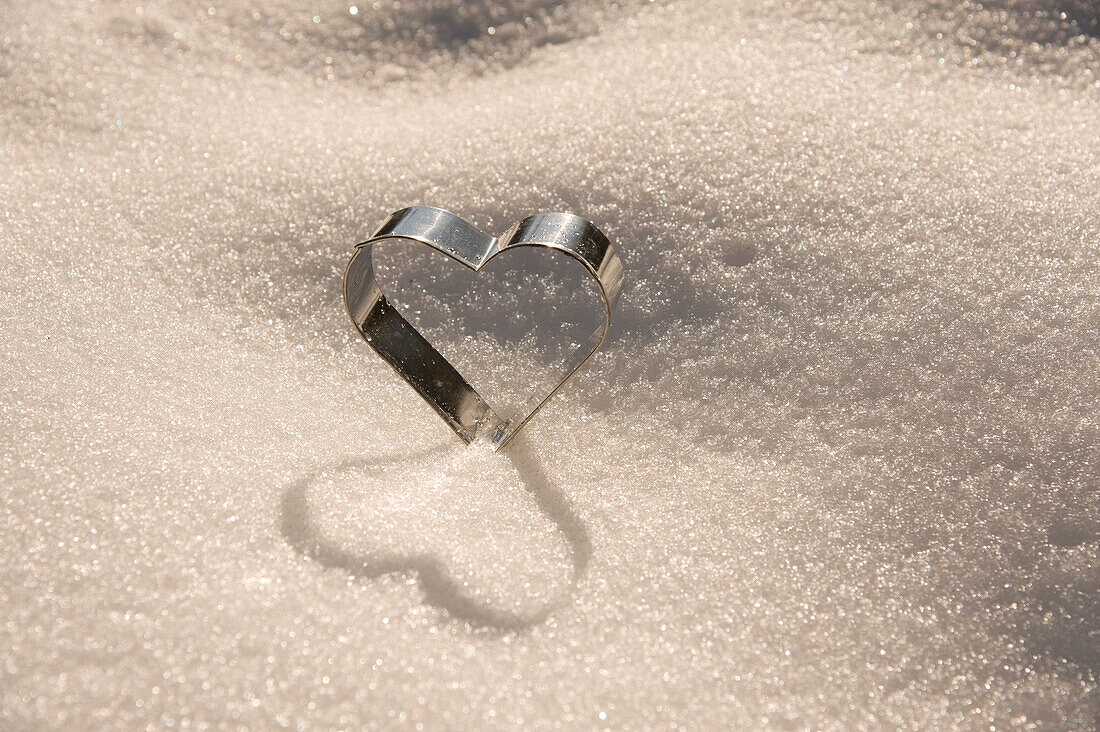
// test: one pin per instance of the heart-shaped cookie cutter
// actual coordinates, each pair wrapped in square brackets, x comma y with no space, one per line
[417,361]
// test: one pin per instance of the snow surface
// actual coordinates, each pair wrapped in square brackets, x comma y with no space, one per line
[837,467]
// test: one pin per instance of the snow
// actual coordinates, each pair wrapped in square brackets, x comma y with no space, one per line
[836,467]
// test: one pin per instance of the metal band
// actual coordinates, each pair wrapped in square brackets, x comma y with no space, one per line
[410,354]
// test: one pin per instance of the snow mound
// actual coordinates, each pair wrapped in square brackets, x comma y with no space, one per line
[837,466]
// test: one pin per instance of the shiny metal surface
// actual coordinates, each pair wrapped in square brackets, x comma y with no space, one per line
[414,358]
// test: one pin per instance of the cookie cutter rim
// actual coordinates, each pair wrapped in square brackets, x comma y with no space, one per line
[418,362]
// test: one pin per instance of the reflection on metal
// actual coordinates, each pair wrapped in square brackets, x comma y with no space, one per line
[410,354]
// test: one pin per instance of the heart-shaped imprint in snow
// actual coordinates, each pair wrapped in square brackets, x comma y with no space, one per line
[489,537]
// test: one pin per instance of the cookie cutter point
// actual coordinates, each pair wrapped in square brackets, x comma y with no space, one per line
[418,362]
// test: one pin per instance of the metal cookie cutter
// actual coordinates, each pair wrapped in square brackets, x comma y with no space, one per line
[410,354]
